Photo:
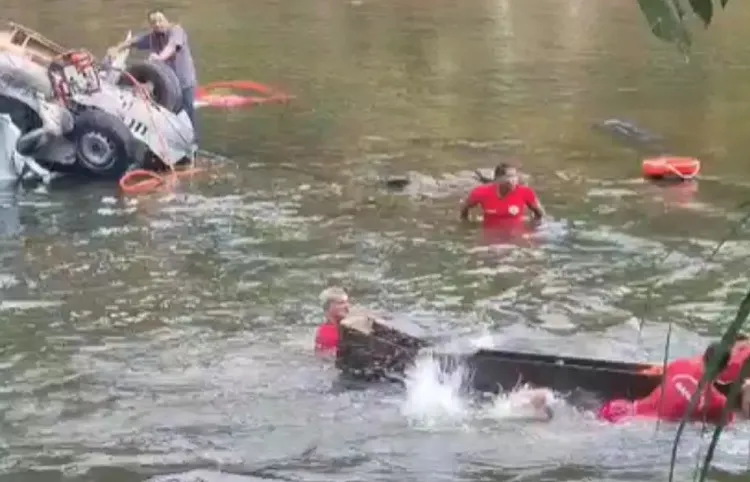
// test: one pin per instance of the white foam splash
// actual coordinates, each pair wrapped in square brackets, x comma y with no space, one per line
[433,396]
[483,342]
[437,398]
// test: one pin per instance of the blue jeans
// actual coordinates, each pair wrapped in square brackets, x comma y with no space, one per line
[188,104]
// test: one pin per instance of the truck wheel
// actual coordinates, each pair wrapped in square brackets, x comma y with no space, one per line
[105,148]
[164,84]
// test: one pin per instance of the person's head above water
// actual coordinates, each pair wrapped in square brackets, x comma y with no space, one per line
[335,303]
[157,20]
[506,175]
[714,350]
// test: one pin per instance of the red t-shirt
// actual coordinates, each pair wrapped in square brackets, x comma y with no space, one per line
[327,338]
[670,400]
[740,353]
[498,210]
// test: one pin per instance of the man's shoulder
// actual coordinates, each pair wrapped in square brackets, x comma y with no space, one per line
[741,350]
[525,190]
[682,367]
[177,29]
[482,190]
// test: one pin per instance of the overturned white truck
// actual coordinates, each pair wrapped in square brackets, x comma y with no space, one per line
[71,114]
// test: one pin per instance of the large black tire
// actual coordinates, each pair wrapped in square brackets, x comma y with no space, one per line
[105,148]
[166,86]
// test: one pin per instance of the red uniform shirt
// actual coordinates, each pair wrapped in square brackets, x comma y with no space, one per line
[670,400]
[327,338]
[740,353]
[499,210]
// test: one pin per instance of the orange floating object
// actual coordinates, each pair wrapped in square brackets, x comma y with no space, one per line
[684,168]
[237,93]
[141,181]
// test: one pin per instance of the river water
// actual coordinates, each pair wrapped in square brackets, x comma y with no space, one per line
[168,337]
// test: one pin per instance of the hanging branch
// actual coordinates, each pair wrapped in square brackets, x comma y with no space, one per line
[666,18]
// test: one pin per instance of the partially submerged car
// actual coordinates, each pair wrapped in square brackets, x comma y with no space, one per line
[12,164]
[95,119]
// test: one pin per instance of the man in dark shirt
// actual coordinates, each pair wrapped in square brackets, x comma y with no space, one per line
[168,42]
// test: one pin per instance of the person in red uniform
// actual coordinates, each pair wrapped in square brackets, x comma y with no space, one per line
[740,353]
[670,400]
[335,303]
[503,202]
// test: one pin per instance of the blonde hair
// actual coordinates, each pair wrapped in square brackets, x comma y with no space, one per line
[331,295]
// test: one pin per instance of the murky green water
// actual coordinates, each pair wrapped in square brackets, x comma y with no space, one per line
[170,335]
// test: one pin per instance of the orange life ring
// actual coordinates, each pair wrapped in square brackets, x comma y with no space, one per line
[684,168]
[206,95]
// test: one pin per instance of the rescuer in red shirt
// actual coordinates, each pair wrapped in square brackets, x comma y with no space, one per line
[737,357]
[335,303]
[670,400]
[739,354]
[504,201]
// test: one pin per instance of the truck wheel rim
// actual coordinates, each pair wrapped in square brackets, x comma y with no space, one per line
[97,152]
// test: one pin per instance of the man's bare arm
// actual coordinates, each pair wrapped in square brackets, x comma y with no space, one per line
[465,207]
[537,211]
[126,44]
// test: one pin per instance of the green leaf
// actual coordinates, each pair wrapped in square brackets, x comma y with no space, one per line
[665,22]
[724,3]
[704,9]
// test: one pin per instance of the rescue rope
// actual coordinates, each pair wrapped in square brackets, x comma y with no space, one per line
[140,181]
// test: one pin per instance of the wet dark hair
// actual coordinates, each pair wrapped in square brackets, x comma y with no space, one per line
[710,355]
[742,337]
[502,169]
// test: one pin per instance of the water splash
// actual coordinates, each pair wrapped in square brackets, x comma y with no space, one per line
[433,395]
[437,396]
[486,341]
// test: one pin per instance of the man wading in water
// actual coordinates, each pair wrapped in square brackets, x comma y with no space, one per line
[504,201]
[168,42]
[335,303]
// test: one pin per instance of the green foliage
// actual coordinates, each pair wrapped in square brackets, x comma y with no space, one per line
[666,18]
[726,343]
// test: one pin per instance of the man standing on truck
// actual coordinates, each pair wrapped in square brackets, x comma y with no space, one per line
[168,42]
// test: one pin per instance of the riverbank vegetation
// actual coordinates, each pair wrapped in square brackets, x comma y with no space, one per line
[668,20]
